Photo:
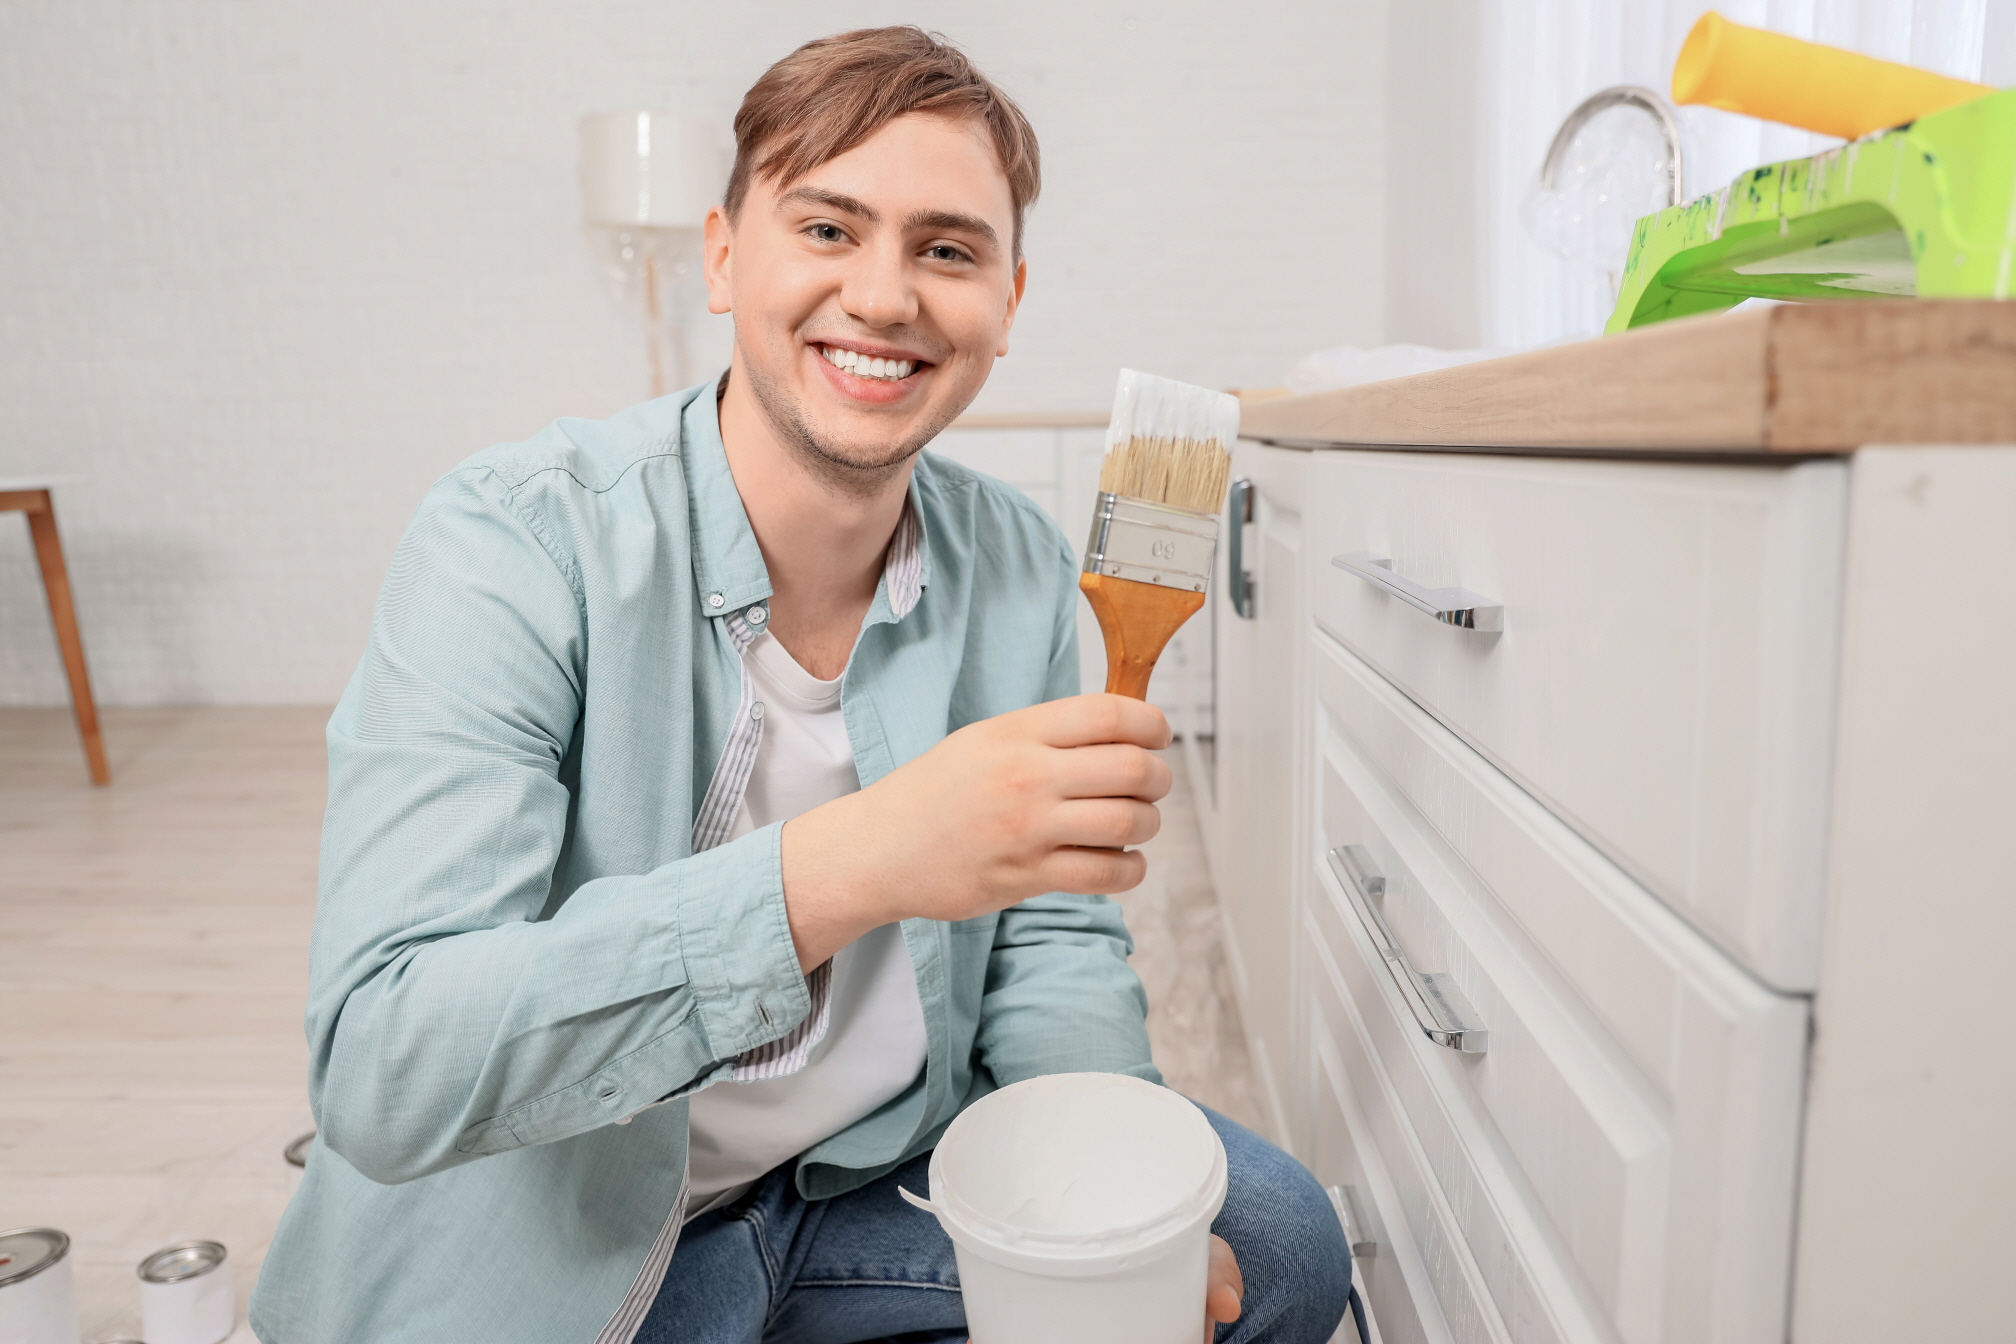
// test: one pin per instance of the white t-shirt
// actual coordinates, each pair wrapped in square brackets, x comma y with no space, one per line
[874,1043]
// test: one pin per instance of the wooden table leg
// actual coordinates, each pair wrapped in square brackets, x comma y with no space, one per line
[56,581]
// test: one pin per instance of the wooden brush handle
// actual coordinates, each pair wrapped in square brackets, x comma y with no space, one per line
[1137,620]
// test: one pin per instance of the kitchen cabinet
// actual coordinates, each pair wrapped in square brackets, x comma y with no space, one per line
[1257,750]
[1607,823]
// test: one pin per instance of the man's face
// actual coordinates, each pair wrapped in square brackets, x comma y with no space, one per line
[872,295]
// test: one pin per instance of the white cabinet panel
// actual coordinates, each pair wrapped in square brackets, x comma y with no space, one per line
[1255,862]
[1620,1163]
[1023,457]
[1664,680]
[1912,1103]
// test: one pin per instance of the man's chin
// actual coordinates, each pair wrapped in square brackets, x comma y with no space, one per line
[853,446]
[869,458]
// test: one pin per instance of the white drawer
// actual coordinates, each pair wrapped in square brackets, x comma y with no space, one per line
[1620,1163]
[1360,1139]
[1665,676]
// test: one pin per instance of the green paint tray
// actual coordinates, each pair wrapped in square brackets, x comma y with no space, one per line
[1926,210]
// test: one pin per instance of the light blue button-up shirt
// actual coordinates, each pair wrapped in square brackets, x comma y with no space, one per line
[517,950]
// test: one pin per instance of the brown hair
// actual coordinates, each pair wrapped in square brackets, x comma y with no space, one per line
[833,93]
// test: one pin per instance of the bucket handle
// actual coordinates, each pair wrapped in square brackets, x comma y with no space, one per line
[921,1203]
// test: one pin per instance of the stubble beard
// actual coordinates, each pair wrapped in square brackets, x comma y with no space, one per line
[844,473]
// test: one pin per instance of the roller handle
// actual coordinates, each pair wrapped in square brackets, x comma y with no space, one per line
[1805,84]
[1137,620]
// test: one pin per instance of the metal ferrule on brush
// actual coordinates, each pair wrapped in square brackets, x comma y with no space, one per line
[1151,543]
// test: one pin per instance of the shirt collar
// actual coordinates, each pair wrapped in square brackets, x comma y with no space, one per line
[728,568]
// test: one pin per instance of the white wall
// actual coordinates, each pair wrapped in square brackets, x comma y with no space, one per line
[268,269]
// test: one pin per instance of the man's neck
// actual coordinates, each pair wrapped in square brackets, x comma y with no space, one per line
[823,546]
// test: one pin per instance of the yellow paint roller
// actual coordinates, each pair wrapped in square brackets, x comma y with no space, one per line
[1778,78]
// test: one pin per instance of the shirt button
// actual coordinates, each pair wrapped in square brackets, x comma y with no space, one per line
[756,615]
[756,711]
[715,600]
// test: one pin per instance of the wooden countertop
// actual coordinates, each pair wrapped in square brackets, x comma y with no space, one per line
[1797,379]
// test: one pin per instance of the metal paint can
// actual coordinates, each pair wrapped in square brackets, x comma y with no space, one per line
[38,1297]
[296,1154]
[185,1294]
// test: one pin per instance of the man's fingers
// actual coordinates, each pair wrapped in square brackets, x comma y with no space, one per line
[1092,872]
[1104,823]
[1083,720]
[1113,770]
[1222,1299]
[1223,1261]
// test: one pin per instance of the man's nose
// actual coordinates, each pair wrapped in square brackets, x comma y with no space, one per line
[877,290]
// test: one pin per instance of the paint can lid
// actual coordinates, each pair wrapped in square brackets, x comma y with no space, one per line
[183,1260]
[296,1152]
[27,1251]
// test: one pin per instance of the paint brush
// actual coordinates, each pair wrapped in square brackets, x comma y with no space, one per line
[1155,528]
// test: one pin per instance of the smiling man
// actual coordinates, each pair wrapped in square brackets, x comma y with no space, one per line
[712,816]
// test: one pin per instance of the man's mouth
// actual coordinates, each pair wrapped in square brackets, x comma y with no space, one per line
[869,366]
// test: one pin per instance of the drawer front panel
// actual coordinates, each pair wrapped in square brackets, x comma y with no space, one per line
[1422,1282]
[1664,676]
[1526,1285]
[1619,1163]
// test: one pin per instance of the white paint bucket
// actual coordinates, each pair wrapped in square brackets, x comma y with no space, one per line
[1079,1207]
[185,1294]
[38,1298]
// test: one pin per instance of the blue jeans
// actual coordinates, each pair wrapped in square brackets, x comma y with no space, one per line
[773,1268]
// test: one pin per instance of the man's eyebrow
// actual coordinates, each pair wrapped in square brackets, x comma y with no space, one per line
[954,220]
[836,200]
[950,219]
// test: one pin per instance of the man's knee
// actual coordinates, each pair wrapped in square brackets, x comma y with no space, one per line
[1291,1249]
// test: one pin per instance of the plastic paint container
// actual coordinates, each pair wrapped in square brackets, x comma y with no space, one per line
[1079,1207]
[38,1298]
[185,1294]
[296,1154]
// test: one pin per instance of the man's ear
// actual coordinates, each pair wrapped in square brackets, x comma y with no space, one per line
[1014,302]
[716,262]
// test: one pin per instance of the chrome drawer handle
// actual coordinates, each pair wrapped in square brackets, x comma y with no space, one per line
[1452,606]
[1439,1008]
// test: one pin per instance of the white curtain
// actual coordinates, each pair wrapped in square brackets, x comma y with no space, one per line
[1542,57]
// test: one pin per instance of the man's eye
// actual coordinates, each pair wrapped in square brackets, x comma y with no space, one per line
[827,233]
[945,252]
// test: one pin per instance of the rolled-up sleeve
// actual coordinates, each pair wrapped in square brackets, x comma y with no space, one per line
[451,1013]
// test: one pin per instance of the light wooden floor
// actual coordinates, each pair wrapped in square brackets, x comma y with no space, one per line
[153,962]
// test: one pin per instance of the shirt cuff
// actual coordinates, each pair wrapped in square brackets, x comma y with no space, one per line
[791,1051]
[735,936]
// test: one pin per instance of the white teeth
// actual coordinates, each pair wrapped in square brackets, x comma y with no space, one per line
[862,366]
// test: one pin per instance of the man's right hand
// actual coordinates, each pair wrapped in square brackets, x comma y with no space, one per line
[1042,799]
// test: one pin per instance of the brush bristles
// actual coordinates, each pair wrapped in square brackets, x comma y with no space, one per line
[1169,443]
[1182,473]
